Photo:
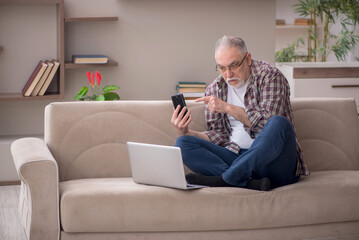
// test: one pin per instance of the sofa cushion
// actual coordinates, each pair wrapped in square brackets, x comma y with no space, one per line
[88,139]
[328,131]
[120,205]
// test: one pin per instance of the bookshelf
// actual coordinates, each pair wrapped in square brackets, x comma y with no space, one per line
[24,116]
[60,38]
[60,53]
[110,63]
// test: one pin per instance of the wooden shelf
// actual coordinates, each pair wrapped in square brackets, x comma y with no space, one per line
[293,26]
[60,53]
[5,97]
[61,20]
[91,19]
[110,63]
[326,72]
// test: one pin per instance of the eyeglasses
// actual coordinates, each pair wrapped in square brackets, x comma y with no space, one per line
[234,66]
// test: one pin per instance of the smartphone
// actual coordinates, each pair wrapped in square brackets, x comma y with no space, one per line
[178,99]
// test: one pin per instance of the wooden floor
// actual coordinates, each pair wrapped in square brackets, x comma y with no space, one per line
[9,218]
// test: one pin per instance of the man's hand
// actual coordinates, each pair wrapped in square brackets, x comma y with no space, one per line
[181,121]
[214,104]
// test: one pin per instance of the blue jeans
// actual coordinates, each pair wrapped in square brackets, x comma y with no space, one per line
[273,154]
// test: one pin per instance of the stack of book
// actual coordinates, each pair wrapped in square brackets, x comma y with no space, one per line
[301,21]
[191,90]
[89,59]
[40,78]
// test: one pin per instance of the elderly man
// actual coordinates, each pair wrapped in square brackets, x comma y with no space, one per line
[250,141]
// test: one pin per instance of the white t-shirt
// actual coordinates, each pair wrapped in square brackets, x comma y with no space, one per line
[239,135]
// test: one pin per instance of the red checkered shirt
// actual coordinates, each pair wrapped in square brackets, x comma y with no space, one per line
[267,95]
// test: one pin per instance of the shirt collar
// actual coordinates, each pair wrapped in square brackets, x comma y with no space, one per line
[255,69]
[220,81]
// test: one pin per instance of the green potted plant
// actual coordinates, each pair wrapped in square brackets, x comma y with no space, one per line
[97,94]
[329,12]
[290,53]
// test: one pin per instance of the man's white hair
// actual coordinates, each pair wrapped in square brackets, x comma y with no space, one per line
[230,41]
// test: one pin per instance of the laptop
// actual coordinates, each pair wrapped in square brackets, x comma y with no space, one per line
[158,165]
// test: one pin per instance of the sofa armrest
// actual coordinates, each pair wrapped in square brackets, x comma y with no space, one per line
[39,196]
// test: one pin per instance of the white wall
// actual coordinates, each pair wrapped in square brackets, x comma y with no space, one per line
[158,42]
[285,10]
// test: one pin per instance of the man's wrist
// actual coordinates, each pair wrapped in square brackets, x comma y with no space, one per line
[183,133]
[238,113]
[229,108]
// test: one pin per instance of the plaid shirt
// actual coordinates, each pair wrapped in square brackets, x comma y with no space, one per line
[267,95]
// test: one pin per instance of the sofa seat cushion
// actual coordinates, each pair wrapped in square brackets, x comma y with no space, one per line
[120,205]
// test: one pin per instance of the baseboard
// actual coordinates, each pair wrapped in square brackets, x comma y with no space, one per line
[8,183]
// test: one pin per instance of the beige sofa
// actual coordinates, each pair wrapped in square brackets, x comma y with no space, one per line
[76,183]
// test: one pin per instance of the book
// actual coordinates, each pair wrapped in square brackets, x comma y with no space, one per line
[49,78]
[279,22]
[42,79]
[191,98]
[34,79]
[197,83]
[191,85]
[301,21]
[190,89]
[89,59]
[193,95]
